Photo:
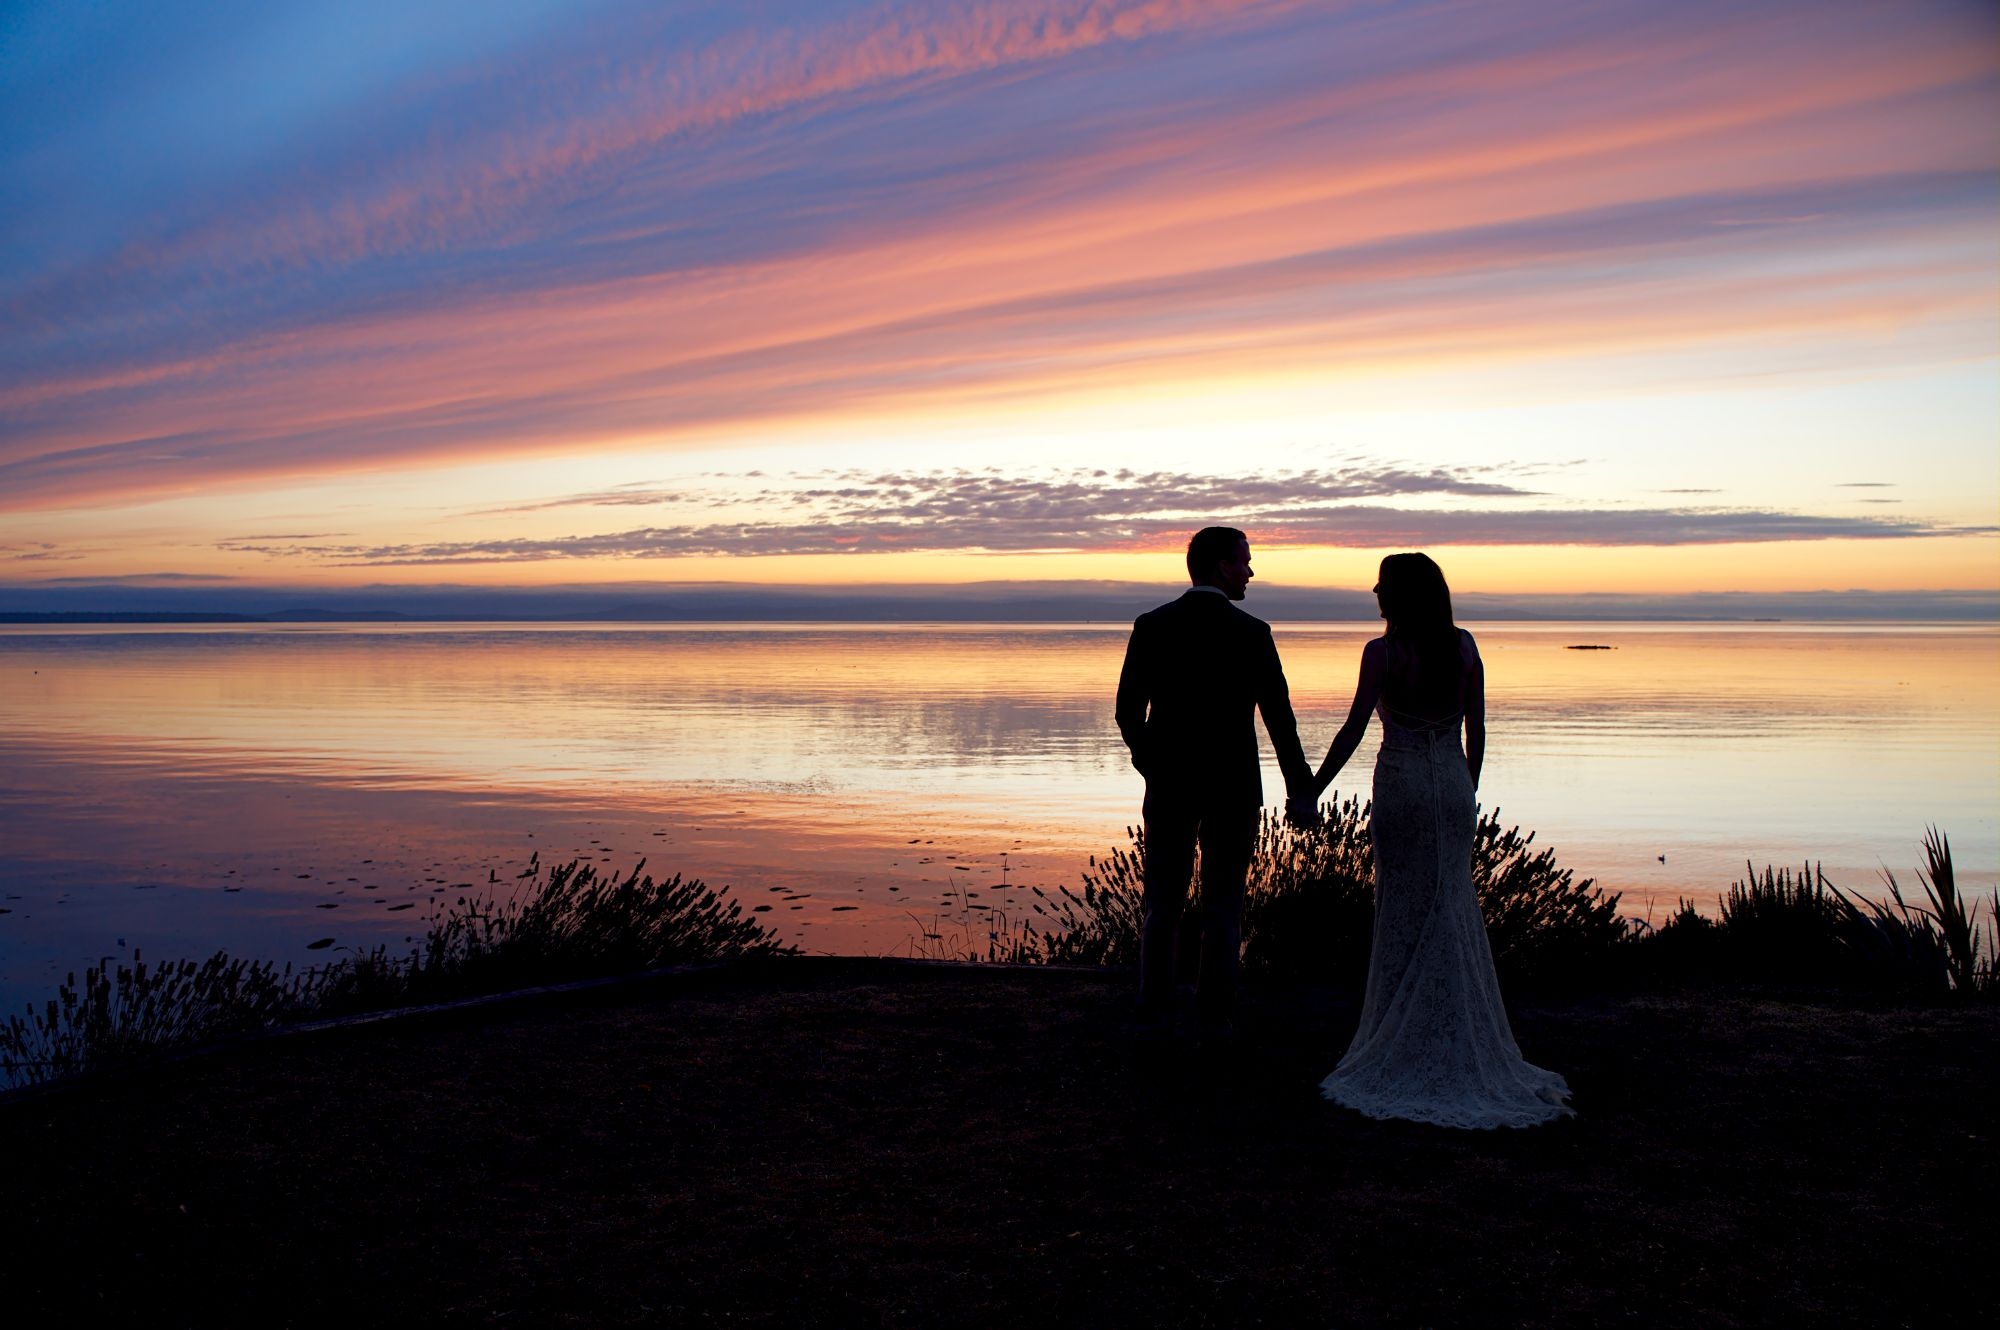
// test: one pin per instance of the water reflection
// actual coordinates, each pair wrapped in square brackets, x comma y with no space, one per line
[764,756]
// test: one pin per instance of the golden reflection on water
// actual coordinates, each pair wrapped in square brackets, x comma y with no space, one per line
[816,751]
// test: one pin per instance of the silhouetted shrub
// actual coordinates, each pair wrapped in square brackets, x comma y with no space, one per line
[1799,929]
[578,924]
[126,1013]
[1547,929]
[573,924]
[1784,928]
[1308,908]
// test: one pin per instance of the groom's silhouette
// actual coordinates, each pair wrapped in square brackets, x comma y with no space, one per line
[1196,669]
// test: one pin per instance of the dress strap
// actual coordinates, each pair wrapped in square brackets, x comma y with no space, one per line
[1403,720]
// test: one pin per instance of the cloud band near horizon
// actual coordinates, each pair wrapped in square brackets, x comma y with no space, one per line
[993,512]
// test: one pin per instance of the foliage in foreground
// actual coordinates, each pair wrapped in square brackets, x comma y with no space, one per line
[1309,906]
[571,924]
[1309,912]
[1799,928]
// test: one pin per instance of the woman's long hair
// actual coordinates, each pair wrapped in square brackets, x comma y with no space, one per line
[1417,604]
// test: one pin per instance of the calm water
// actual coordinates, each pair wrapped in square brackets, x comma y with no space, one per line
[259,788]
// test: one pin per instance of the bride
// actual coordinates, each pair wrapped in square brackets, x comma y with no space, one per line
[1434,1044]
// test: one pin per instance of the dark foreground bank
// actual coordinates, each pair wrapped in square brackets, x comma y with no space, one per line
[868,1143]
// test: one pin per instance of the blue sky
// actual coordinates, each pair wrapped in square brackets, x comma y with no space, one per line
[571,292]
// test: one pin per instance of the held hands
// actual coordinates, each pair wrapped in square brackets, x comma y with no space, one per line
[1302,810]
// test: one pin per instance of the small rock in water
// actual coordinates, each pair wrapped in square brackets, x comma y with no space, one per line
[320,945]
[327,905]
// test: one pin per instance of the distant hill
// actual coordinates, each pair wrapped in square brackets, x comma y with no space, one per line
[198,616]
[128,616]
[984,602]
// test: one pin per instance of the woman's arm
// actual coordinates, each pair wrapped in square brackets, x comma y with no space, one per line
[1474,699]
[1367,693]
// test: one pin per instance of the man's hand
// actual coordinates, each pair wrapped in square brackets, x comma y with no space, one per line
[1302,810]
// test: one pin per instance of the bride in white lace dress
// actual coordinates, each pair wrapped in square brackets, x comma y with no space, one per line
[1434,1044]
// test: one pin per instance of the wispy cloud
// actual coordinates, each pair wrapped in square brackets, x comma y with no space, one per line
[994,512]
[644,221]
[1077,495]
[282,535]
[138,579]
[36,552]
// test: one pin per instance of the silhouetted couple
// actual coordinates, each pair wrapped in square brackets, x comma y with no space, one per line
[1434,1043]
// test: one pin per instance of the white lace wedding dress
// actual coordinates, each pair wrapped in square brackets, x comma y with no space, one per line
[1434,1044]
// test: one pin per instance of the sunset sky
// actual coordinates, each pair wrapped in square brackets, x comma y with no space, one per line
[1605,296]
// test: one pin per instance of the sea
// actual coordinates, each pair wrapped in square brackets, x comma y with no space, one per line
[288,792]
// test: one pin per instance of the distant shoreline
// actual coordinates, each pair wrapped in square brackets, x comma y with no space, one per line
[996,615]
[914,603]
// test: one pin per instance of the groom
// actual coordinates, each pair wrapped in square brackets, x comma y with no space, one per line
[1195,670]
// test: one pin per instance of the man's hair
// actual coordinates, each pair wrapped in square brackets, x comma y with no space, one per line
[1209,547]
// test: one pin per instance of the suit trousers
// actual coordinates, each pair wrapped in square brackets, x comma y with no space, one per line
[1175,825]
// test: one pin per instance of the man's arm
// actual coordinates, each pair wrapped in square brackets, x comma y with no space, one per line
[1135,694]
[1274,699]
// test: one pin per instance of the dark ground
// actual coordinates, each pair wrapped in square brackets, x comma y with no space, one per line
[866,1143]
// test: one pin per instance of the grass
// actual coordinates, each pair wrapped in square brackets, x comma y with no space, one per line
[573,923]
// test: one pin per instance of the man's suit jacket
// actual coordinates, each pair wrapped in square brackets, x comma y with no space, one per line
[1196,669]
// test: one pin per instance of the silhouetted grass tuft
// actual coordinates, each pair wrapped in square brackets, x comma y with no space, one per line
[578,924]
[1098,925]
[573,924]
[126,1013]
[1800,929]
